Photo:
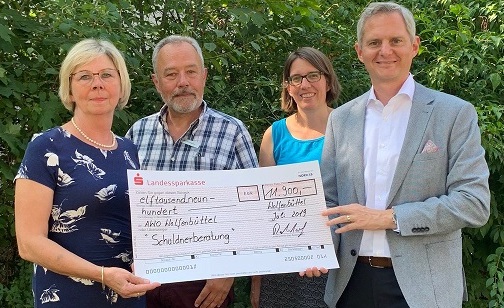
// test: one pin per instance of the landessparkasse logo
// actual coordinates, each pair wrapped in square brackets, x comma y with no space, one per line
[138,179]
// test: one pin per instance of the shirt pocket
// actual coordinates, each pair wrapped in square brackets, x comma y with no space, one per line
[205,161]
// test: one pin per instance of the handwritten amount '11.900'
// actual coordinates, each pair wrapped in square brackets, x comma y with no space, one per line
[287,202]
[283,191]
[290,189]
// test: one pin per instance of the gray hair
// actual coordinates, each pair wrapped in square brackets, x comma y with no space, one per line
[175,39]
[375,8]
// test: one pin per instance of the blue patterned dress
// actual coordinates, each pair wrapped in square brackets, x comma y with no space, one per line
[90,215]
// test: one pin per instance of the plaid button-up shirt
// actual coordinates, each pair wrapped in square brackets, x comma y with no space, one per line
[215,141]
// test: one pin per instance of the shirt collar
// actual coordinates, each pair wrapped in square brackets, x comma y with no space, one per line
[408,88]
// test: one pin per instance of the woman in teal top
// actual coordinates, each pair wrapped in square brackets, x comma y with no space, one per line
[310,86]
[288,149]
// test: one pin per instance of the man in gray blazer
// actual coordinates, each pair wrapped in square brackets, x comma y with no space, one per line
[403,172]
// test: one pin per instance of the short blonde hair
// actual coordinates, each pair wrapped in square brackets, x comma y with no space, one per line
[84,52]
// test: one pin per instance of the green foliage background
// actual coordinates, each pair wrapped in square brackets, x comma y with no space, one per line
[245,43]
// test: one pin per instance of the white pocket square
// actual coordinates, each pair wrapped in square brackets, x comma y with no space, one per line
[430,147]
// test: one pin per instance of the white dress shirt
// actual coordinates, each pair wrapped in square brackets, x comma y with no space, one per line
[384,131]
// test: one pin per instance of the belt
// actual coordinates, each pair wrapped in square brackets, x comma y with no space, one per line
[380,262]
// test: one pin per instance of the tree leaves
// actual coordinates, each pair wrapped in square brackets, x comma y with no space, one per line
[245,43]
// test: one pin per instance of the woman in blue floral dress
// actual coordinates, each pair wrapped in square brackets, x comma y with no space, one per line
[71,203]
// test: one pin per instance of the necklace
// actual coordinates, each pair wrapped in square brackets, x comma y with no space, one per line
[101,145]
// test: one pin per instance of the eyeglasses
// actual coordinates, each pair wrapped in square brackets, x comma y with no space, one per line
[86,77]
[296,80]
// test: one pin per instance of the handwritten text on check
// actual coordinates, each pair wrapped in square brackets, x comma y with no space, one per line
[192,225]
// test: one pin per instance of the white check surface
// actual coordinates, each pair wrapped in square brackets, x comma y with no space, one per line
[192,225]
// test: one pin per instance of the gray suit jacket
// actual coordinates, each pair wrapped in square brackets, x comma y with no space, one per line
[434,195]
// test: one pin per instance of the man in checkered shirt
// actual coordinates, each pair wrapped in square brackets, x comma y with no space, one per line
[188,135]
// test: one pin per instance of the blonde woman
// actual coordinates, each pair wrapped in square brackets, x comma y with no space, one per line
[71,201]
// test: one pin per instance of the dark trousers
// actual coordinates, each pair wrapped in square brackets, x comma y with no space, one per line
[371,287]
[180,295]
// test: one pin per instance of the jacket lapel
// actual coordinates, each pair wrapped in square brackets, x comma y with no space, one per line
[355,120]
[421,110]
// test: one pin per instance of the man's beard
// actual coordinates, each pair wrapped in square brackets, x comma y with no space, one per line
[186,106]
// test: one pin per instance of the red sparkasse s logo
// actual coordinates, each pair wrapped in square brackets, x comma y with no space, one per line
[138,180]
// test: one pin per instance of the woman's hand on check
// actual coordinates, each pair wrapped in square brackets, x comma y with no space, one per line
[313,272]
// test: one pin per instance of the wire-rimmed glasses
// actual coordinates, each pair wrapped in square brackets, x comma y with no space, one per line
[86,77]
[296,80]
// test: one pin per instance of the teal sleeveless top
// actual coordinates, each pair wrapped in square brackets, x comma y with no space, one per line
[288,150]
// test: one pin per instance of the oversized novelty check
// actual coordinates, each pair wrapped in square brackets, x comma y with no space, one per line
[192,225]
